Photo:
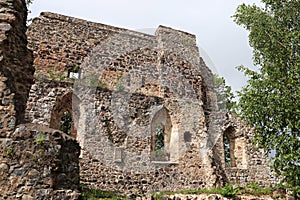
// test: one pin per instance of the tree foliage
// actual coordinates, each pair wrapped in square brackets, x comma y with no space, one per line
[66,123]
[28,2]
[224,94]
[271,100]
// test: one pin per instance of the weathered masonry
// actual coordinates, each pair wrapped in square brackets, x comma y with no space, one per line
[35,162]
[142,107]
[140,103]
[16,71]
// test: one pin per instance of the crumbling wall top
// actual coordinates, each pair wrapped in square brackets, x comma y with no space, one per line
[97,26]
[181,36]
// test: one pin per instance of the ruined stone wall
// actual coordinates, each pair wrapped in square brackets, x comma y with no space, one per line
[123,161]
[16,71]
[250,164]
[128,83]
[103,168]
[35,162]
[44,96]
[39,163]
[67,42]
[126,78]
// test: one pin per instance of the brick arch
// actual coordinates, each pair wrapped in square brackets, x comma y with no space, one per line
[63,104]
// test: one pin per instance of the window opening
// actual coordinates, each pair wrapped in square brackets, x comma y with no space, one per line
[160,153]
[161,129]
[227,151]
[66,123]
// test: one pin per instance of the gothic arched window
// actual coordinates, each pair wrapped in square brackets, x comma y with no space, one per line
[62,115]
[161,127]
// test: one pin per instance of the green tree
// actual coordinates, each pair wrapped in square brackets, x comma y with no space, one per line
[224,94]
[271,100]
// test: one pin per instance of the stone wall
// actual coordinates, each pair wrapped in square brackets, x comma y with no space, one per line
[35,162]
[125,79]
[248,163]
[67,42]
[122,85]
[44,96]
[39,163]
[16,71]
[101,167]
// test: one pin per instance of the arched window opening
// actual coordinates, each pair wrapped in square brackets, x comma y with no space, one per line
[160,152]
[66,123]
[227,151]
[161,128]
[229,147]
[62,116]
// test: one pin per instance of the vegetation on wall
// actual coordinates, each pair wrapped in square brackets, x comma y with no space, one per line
[271,100]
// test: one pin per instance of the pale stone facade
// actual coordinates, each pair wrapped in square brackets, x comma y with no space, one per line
[133,89]
[142,107]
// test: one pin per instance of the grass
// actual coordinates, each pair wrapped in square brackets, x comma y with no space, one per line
[93,194]
[256,190]
[228,191]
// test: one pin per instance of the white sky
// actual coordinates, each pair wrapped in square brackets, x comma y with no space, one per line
[217,34]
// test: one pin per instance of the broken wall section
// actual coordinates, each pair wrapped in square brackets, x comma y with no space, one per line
[130,69]
[61,43]
[35,163]
[16,71]
[245,163]
[39,163]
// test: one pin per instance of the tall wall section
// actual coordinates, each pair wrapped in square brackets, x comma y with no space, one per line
[126,84]
[16,71]
[67,43]
[129,82]
[35,162]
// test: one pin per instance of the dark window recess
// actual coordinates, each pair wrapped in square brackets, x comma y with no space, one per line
[66,123]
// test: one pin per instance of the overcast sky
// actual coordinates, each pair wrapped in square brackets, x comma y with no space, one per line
[225,43]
